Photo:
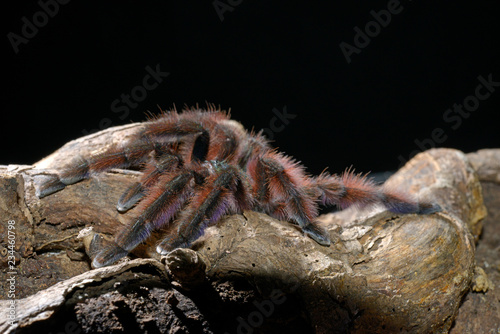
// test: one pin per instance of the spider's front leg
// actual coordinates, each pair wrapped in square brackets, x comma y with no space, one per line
[162,164]
[81,167]
[224,191]
[279,187]
[158,208]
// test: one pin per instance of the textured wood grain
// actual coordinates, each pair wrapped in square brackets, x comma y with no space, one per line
[480,310]
[383,273]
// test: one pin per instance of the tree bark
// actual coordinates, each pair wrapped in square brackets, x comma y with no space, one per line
[480,311]
[250,273]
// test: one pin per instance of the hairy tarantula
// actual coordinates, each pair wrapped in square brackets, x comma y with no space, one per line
[200,165]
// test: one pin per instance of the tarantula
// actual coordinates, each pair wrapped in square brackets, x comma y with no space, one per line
[200,165]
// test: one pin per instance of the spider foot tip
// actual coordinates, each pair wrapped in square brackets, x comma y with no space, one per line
[121,208]
[428,208]
[97,264]
[161,250]
[108,256]
[46,185]
[318,234]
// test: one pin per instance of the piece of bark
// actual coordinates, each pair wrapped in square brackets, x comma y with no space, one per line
[42,305]
[480,311]
[89,145]
[486,162]
[385,272]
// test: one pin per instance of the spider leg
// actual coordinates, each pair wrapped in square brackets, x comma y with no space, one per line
[166,159]
[81,167]
[158,207]
[165,163]
[278,183]
[174,125]
[216,135]
[353,189]
[224,191]
[130,197]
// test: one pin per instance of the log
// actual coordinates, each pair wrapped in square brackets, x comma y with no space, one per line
[248,274]
[480,312]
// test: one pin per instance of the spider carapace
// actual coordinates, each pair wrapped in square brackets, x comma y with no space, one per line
[199,165]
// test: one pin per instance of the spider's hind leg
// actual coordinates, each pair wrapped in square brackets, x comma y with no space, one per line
[354,189]
[279,184]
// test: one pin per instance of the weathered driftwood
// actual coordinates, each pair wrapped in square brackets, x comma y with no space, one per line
[250,273]
[480,310]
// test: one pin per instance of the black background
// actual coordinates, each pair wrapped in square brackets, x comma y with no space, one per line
[262,55]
